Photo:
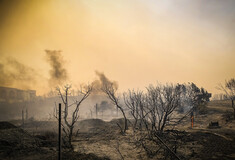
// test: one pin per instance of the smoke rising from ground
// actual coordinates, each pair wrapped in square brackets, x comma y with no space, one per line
[103,80]
[15,74]
[58,73]
[18,75]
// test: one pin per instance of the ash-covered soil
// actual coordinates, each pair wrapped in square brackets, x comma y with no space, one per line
[18,144]
[98,139]
[190,145]
[200,142]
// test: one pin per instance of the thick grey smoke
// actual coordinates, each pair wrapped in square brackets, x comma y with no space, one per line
[16,74]
[103,80]
[58,73]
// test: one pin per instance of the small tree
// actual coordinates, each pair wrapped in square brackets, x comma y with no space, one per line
[229,89]
[192,96]
[110,90]
[68,125]
[153,109]
[135,102]
[162,101]
[155,106]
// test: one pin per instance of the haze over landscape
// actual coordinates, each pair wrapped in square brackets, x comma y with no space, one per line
[117,79]
[133,42]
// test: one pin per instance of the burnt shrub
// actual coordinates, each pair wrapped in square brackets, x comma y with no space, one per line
[227,116]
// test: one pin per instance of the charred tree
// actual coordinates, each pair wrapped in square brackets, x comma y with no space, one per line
[229,90]
[68,126]
[110,90]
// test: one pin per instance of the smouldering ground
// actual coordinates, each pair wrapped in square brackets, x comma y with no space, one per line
[197,143]
[103,139]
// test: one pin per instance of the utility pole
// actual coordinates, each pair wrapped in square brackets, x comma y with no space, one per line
[59,138]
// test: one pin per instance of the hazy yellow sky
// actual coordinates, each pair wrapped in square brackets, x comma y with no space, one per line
[135,42]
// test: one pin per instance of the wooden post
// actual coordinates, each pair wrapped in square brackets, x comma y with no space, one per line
[23,118]
[26,114]
[96,110]
[59,138]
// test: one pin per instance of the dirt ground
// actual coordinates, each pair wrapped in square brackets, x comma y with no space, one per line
[98,139]
[199,142]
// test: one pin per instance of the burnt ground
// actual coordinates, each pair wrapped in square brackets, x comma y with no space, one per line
[97,139]
[199,142]
[196,144]
[18,144]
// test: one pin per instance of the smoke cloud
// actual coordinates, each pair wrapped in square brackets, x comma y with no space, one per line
[58,73]
[103,80]
[16,74]
[105,106]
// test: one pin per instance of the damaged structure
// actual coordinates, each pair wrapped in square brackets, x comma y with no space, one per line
[12,95]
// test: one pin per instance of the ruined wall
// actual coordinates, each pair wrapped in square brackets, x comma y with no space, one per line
[16,95]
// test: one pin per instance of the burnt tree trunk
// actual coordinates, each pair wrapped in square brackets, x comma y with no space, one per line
[164,122]
[70,137]
[125,120]
[23,118]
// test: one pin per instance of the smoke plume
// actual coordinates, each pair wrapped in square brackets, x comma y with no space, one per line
[16,74]
[103,80]
[105,106]
[58,73]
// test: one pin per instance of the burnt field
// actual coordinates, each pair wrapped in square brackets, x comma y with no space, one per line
[117,80]
[98,139]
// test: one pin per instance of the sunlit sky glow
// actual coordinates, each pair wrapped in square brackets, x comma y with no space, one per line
[135,42]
